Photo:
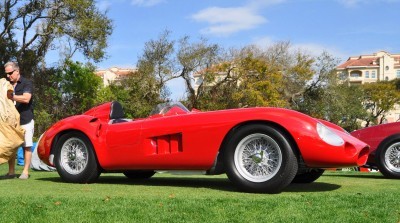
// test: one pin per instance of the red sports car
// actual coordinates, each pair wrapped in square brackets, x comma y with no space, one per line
[385,147]
[260,149]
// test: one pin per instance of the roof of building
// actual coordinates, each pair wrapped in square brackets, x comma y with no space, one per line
[368,60]
[116,70]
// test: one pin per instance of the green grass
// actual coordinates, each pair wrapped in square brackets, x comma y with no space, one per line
[335,197]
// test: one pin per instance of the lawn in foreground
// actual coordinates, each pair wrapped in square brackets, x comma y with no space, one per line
[335,197]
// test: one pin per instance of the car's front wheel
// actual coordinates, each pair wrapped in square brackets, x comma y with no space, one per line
[75,160]
[260,158]
[388,158]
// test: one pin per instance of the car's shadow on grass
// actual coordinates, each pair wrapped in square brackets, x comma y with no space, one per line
[363,176]
[312,187]
[200,182]
[222,184]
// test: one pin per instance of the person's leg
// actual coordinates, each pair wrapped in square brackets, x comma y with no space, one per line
[11,165]
[29,129]
[27,160]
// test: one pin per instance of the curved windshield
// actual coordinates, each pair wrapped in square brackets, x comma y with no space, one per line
[164,108]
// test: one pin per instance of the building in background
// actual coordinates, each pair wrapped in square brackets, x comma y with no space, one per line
[362,69]
[114,74]
[380,66]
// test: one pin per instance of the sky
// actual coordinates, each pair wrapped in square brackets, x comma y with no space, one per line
[343,28]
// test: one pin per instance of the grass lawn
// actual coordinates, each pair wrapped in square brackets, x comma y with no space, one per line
[335,197]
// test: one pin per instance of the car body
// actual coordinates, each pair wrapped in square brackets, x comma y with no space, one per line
[260,149]
[384,141]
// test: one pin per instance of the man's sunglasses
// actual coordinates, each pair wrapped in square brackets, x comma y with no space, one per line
[11,72]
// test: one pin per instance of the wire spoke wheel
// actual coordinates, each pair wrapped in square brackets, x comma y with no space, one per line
[392,157]
[258,157]
[74,156]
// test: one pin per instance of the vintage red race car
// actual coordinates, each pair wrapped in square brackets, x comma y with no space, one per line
[385,148]
[260,149]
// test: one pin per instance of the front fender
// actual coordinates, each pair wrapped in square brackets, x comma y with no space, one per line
[91,126]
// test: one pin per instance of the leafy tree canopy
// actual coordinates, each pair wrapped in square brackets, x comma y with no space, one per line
[64,91]
[379,98]
[30,28]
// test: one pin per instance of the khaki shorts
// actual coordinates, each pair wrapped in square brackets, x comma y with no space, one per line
[29,129]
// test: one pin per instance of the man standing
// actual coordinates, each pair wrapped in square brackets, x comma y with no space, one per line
[22,97]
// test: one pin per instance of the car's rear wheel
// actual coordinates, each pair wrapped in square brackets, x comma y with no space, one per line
[139,174]
[259,158]
[308,175]
[388,158]
[75,160]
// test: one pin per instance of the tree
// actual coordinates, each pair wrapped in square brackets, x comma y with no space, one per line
[77,87]
[138,93]
[275,76]
[46,100]
[195,57]
[318,76]
[347,109]
[217,86]
[246,77]
[253,76]
[324,97]
[297,75]
[260,82]
[379,98]
[31,28]
[166,59]
[158,61]
[64,91]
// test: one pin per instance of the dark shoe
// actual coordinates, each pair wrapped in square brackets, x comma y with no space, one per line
[8,176]
[23,176]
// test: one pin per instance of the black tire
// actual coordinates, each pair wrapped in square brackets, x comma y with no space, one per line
[387,158]
[308,176]
[75,159]
[259,158]
[139,174]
